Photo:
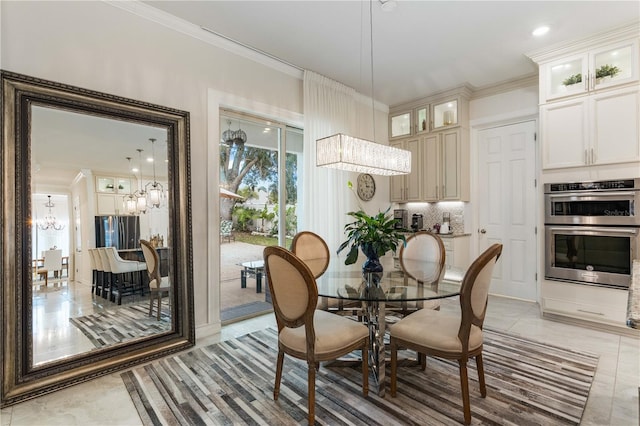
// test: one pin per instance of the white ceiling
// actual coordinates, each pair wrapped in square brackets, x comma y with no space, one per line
[420,48]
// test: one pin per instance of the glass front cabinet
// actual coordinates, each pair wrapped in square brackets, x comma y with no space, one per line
[400,124]
[593,70]
[439,115]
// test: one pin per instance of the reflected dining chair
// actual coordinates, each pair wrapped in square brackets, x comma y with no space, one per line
[126,275]
[303,331]
[443,335]
[94,270]
[421,246]
[157,285]
[52,263]
[100,276]
[107,276]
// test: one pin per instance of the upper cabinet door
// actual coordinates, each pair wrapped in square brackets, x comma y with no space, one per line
[445,114]
[601,68]
[400,124]
[567,76]
[614,65]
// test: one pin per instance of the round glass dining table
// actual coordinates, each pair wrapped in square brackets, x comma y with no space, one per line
[371,295]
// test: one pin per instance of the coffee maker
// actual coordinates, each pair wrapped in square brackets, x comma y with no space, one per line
[402,219]
[417,222]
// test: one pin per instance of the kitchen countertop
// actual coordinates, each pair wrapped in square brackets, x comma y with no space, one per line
[449,235]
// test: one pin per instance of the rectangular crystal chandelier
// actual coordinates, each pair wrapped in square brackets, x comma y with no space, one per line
[345,152]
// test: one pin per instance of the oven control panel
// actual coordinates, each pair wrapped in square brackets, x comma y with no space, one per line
[606,185]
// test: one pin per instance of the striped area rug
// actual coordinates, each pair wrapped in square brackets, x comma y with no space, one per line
[231,382]
[124,323]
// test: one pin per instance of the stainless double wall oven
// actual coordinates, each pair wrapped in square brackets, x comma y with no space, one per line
[592,231]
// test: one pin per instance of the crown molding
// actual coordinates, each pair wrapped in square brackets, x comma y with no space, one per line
[205,35]
[506,86]
[628,31]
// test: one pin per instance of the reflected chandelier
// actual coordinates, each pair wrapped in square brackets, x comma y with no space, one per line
[49,221]
[353,154]
[155,190]
[140,194]
[129,201]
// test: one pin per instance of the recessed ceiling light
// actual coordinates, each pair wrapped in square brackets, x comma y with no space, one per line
[388,5]
[540,31]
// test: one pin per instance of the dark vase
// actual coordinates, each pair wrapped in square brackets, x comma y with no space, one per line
[372,266]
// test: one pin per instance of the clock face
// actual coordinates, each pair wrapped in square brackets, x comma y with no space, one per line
[366,186]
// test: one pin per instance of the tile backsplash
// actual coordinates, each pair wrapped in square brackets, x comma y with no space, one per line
[433,213]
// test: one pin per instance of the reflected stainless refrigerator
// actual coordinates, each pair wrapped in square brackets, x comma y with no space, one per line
[121,232]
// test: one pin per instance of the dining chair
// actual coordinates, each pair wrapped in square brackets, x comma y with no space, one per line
[420,247]
[101,275]
[443,335]
[312,249]
[305,332]
[94,270]
[157,285]
[120,269]
[107,276]
[52,263]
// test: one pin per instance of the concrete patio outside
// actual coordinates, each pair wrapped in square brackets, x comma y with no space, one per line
[232,254]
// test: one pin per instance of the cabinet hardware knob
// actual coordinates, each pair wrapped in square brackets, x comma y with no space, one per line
[482,231]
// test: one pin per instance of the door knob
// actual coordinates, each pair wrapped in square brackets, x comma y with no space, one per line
[482,231]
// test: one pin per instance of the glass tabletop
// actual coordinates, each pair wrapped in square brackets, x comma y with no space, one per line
[349,282]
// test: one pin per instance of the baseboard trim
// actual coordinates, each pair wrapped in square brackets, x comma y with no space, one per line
[620,330]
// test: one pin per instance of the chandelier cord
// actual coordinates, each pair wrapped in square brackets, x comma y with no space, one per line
[373,108]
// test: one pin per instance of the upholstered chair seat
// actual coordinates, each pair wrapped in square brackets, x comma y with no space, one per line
[442,331]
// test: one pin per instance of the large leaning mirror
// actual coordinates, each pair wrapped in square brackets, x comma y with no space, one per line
[87,179]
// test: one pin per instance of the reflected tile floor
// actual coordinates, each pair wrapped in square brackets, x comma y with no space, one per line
[613,399]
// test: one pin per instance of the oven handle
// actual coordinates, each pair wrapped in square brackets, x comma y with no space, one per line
[581,229]
[593,194]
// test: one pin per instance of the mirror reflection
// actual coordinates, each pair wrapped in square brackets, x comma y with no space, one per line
[98,187]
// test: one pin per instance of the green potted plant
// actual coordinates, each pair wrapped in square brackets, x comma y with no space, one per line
[607,71]
[573,79]
[374,235]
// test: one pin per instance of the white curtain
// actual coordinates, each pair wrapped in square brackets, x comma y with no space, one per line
[329,108]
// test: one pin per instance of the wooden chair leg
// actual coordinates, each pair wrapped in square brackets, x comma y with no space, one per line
[311,385]
[394,366]
[480,367]
[464,384]
[276,387]
[422,360]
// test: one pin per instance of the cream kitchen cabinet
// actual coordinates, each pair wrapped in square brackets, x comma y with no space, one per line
[445,163]
[109,204]
[456,248]
[603,128]
[589,70]
[407,187]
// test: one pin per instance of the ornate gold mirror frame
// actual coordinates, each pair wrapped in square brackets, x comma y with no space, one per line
[21,378]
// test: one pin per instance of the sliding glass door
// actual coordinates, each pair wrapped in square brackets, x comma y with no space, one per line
[260,173]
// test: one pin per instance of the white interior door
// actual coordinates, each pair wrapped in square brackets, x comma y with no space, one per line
[507,206]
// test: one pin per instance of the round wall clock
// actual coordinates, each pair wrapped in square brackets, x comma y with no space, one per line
[366,186]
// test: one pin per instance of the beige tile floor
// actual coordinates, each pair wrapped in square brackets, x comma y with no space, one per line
[613,399]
